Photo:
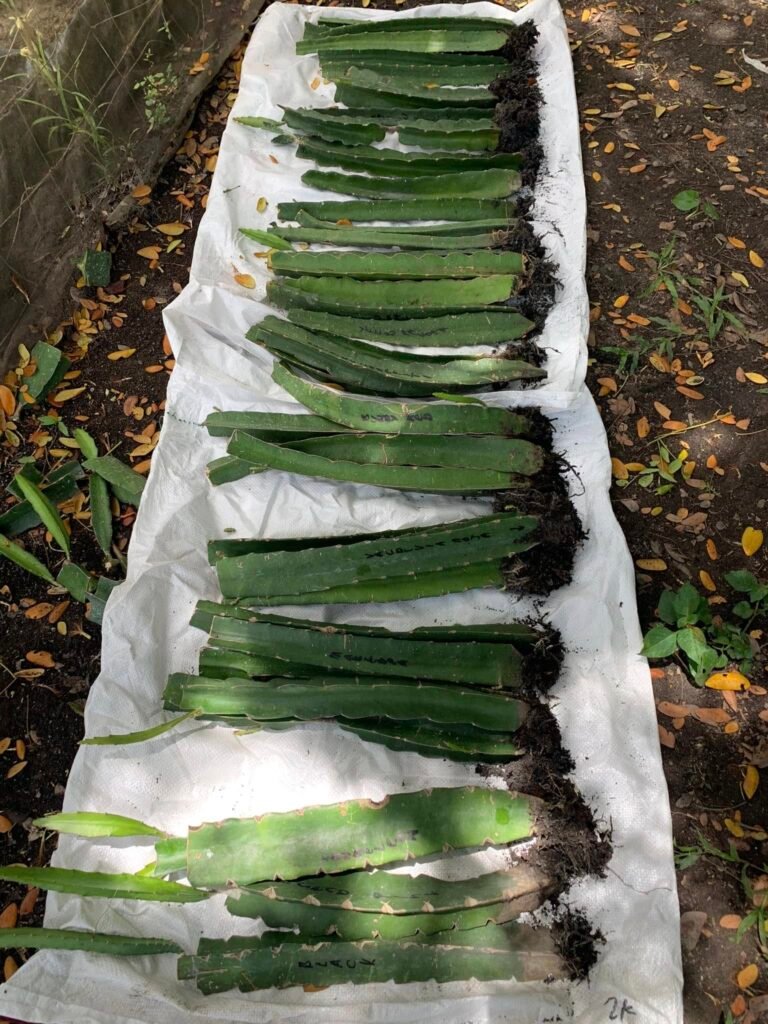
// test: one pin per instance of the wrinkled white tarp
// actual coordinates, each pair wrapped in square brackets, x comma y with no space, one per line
[603,700]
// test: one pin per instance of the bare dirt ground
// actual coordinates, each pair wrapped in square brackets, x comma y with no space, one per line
[674,135]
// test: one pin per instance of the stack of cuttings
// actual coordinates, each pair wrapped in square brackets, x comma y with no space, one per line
[443,691]
[439,447]
[461,95]
[329,918]
[363,318]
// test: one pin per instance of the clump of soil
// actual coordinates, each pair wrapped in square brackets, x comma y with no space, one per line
[542,664]
[548,565]
[569,843]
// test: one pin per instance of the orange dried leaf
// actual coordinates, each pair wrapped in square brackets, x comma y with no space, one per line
[141,191]
[121,353]
[651,564]
[662,410]
[626,265]
[629,30]
[666,707]
[706,581]
[756,259]
[642,427]
[711,716]
[619,470]
[16,769]
[9,916]
[641,321]
[666,738]
[149,252]
[712,549]
[42,658]
[173,229]
[730,921]
[751,781]
[747,976]
[7,400]
[621,301]
[245,280]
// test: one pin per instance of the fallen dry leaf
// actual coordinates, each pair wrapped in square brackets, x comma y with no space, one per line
[711,716]
[751,781]
[174,229]
[245,280]
[751,541]
[9,916]
[728,681]
[651,564]
[747,976]
[730,921]
[42,658]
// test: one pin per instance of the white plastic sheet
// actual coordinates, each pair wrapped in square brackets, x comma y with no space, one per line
[603,700]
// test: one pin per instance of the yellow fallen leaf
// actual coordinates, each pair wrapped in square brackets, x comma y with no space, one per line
[620,471]
[624,86]
[651,564]
[674,85]
[662,35]
[261,204]
[629,30]
[706,581]
[734,827]
[7,400]
[747,976]
[751,541]
[737,243]
[756,378]
[751,781]
[621,301]
[141,191]
[149,252]
[756,260]
[734,681]
[174,229]
[739,278]
[245,280]
[121,353]
[712,549]
[64,396]
[635,467]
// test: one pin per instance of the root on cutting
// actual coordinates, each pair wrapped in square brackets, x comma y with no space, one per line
[549,565]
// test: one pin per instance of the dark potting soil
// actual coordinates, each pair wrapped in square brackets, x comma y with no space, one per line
[569,842]
[549,565]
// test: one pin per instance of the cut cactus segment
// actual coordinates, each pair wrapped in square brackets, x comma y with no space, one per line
[355,834]
[377,892]
[456,547]
[525,955]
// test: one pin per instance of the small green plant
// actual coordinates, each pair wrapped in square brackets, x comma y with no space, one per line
[73,115]
[706,642]
[157,88]
[689,201]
